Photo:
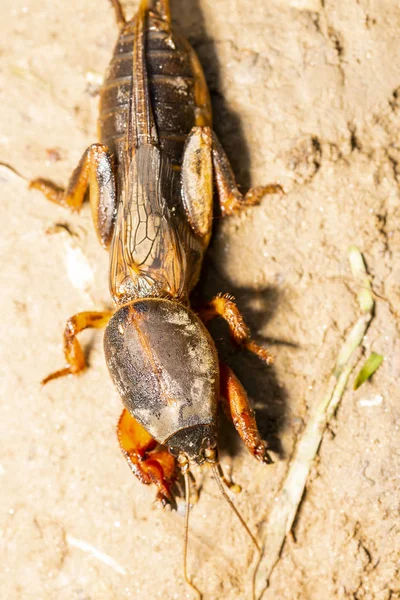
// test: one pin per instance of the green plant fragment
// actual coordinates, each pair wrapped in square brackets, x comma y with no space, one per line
[372,363]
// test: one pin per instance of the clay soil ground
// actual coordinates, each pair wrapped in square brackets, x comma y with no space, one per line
[307,93]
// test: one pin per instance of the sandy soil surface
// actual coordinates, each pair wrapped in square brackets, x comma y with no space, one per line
[307,93]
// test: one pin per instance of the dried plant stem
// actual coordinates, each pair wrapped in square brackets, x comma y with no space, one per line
[281,517]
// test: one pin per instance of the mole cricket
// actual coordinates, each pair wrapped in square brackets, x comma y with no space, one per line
[151,181]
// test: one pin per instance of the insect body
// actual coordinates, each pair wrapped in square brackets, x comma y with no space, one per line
[151,186]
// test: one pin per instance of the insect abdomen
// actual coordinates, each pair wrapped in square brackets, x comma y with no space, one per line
[171,85]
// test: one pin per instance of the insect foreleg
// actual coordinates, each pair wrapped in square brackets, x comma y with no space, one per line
[224,306]
[72,349]
[149,465]
[95,170]
[236,407]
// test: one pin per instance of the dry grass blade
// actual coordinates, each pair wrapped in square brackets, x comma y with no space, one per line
[283,513]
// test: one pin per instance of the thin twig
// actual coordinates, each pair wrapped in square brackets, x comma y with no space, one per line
[283,513]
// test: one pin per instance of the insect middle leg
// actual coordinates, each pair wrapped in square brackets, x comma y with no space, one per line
[149,464]
[94,171]
[237,407]
[72,349]
[224,306]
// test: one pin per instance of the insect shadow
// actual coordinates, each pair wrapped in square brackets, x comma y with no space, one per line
[268,395]
[226,123]
[259,380]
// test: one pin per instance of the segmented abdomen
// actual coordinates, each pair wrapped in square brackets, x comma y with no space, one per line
[171,87]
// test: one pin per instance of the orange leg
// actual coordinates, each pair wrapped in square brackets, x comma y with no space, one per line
[236,406]
[230,199]
[94,171]
[148,464]
[224,306]
[72,349]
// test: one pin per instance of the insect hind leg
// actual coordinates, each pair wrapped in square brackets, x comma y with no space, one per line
[231,200]
[94,172]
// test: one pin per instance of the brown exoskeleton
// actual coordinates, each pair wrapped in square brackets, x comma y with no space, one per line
[150,182]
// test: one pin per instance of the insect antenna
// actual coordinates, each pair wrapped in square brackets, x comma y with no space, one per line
[233,507]
[185,541]
[216,468]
